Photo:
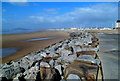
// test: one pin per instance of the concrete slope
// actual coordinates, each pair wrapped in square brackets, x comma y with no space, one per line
[109,55]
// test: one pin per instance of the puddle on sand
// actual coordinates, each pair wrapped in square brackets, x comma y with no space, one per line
[6,51]
[39,39]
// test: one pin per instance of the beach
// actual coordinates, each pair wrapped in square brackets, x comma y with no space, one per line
[15,41]
[104,31]
[59,41]
[73,58]
[29,42]
[23,47]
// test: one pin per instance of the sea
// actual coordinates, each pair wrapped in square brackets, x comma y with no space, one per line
[19,31]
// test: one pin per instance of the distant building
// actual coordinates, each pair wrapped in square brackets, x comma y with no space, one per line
[73,28]
[94,28]
[118,24]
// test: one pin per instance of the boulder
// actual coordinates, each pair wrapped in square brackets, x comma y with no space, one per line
[64,66]
[73,77]
[95,49]
[52,49]
[71,44]
[59,50]
[84,69]
[37,57]
[52,63]
[88,40]
[91,52]
[24,63]
[31,73]
[34,69]
[50,74]
[65,52]
[58,67]
[52,54]
[31,76]
[8,72]
[65,59]
[47,59]
[17,76]
[44,64]
[76,49]
[90,48]
[43,54]
[89,58]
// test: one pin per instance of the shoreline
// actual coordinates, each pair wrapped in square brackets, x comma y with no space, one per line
[34,31]
[104,45]
[24,48]
[104,31]
[75,55]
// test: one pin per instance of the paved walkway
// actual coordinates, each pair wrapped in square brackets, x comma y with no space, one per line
[109,55]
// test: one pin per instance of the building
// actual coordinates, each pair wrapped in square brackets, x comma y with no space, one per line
[117,24]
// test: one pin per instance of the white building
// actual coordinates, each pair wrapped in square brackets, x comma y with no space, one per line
[73,28]
[118,24]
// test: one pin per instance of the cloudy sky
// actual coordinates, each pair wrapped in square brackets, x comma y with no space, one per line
[52,15]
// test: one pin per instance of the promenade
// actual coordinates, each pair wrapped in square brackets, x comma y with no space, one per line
[109,55]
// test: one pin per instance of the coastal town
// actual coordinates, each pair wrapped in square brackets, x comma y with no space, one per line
[114,27]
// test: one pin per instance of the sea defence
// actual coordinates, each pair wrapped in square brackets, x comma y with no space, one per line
[74,58]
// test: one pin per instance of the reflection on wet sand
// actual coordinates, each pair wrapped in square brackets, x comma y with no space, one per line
[7,51]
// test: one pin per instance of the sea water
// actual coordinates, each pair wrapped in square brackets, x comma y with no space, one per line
[6,51]
[39,39]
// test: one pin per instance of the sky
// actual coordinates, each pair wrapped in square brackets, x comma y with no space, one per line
[60,0]
[54,15]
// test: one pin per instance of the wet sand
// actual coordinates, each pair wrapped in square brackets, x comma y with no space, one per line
[104,31]
[24,48]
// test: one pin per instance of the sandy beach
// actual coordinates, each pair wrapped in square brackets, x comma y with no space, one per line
[104,31]
[108,48]
[24,48]
[76,55]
